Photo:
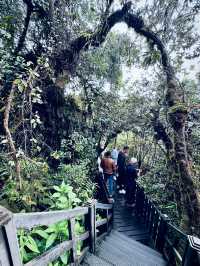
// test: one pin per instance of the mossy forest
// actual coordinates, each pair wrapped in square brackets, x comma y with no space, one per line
[78,78]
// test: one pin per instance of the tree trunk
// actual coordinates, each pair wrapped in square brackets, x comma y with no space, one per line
[9,136]
[190,200]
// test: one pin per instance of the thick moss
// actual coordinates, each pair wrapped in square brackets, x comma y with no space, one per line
[179,107]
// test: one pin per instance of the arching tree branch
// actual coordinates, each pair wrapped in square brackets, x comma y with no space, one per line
[30,8]
[22,38]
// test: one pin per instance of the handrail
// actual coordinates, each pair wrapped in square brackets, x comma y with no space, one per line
[103,206]
[30,220]
[176,246]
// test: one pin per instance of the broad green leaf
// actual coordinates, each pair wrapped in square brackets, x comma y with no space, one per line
[63,199]
[51,229]
[56,195]
[51,239]
[41,233]
[57,188]
[31,244]
[64,258]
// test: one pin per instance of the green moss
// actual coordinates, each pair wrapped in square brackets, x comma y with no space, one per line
[179,107]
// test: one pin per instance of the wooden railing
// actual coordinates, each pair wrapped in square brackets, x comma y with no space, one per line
[177,247]
[94,231]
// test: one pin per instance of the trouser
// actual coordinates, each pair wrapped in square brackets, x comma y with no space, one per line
[120,180]
[110,183]
[130,191]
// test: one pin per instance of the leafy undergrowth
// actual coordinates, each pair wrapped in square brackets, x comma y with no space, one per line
[38,182]
[45,188]
[40,239]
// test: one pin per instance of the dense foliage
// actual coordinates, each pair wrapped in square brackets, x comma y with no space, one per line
[73,80]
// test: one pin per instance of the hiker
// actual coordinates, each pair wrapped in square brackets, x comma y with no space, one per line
[114,155]
[109,169]
[121,166]
[131,176]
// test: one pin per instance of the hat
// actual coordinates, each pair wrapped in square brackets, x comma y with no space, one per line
[133,160]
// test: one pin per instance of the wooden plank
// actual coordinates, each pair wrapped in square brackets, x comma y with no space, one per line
[72,237]
[101,237]
[29,220]
[82,256]
[82,237]
[104,206]
[51,254]
[11,233]
[134,231]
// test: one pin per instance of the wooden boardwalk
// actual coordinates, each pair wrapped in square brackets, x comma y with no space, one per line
[126,222]
[161,243]
[122,246]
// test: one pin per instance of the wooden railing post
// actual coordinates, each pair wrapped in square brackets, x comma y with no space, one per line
[5,217]
[72,237]
[13,245]
[91,225]
[107,224]
[162,229]
[191,256]
[11,233]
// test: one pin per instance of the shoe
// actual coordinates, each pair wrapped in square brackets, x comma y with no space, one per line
[123,191]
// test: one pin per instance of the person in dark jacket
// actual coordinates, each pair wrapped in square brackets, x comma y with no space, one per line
[131,176]
[121,166]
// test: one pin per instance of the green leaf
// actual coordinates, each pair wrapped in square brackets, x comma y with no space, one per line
[78,247]
[17,81]
[51,228]
[76,200]
[56,195]
[41,233]
[51,239]
[57,188]
[24,255]
[63,199]
[31,244]
[64,258]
